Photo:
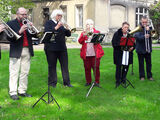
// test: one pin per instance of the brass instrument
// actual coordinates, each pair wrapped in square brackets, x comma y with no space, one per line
[31,29]
[137,29]
[67,26]
[89,33]
[9,32]
[153,31]
[71,29]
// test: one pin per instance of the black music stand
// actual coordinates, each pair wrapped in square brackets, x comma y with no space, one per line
[132,72]
[96,38]
[127,82]
[50,96]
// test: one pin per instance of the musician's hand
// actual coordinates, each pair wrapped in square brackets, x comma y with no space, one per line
[131,49]
[147,28]
[58,25]
[23,28]
[2,27]
[30,23]
[147,36]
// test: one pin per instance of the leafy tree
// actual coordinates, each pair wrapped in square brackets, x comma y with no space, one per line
[8,7]
[154,12]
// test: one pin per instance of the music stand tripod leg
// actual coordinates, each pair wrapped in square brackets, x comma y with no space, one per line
[49,101]
[90,89]
[41,98]
[130,83]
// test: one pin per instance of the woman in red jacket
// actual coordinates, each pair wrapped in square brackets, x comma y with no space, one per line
[88,53]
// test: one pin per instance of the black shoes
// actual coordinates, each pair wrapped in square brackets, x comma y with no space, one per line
[68,85]
[14,97]
[24,95]
[87,84]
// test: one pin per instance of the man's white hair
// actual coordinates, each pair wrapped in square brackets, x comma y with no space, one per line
[89,21]
[56,12]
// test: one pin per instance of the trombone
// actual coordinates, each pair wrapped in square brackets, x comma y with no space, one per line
[31,29]
[9,32]
[153,34]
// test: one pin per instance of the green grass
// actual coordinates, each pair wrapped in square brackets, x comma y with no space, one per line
[106,103]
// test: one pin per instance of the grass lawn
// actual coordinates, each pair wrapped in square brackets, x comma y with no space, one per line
[106,103]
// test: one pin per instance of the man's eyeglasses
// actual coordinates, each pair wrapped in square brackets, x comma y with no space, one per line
[23,14]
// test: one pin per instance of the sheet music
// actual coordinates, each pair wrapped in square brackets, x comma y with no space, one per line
[125,58]
[44,36]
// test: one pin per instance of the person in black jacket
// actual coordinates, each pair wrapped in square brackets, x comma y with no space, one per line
[144,49]
[56,49]
[21,51]
[121,70]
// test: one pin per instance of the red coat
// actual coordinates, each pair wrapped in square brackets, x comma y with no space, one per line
[97,47]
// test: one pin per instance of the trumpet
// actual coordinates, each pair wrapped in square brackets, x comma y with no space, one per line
[9,32]
[88,33]
[31,29]
[68,27]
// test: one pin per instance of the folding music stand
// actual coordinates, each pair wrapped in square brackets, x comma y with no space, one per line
[127,82]
[47,36]
[96,38]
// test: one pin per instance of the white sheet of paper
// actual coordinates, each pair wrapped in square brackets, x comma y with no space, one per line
[125,58]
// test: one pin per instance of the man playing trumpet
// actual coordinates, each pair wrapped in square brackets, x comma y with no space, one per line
[21,51]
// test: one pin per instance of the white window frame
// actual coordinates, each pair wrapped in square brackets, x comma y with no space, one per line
[138,14]
[78,14]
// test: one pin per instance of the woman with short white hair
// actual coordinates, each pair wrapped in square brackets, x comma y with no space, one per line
[56,49]
[89,51]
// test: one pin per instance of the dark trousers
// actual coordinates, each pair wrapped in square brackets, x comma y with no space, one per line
[89,63]
[121,73]
[147,58]
[52,57]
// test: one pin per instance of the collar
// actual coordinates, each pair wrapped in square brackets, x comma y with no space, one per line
[54,21]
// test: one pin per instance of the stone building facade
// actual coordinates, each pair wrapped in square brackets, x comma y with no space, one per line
[108,15]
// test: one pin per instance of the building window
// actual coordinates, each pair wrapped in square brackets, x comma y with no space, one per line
[79,16]
[140,12]
[64,9]
[45,15]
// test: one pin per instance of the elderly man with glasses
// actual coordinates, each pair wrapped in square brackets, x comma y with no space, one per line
[21,51]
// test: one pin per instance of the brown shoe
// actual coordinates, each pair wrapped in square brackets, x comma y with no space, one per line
[151,79]
[142,79]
